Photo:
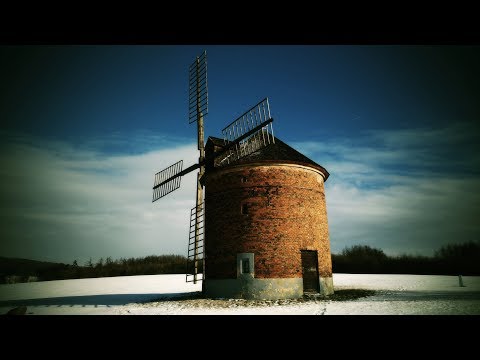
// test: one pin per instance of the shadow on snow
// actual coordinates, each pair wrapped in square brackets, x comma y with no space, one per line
[111,299]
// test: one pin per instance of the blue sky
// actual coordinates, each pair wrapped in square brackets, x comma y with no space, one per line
[84,129]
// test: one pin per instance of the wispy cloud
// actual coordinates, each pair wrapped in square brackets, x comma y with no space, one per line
[59,201]
[405,191]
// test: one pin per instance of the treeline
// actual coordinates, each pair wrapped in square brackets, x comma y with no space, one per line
[454,259]
[149,265]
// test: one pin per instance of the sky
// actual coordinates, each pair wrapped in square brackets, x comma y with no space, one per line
[84,128]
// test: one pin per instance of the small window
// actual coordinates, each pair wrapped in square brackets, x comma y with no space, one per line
[245,266]
[244,179]
[244,209]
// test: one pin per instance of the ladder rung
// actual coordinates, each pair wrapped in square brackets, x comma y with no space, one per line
[195,249]
[193,237]
[193,242]
[199,228]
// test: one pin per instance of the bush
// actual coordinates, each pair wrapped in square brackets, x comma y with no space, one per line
[360,259]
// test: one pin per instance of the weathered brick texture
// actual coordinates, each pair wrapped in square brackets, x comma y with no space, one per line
[286,214]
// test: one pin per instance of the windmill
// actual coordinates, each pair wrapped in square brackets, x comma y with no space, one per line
[244,136]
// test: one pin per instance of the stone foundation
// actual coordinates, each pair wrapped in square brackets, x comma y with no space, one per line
[247,287]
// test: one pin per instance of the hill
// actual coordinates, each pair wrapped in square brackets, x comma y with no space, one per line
[14,270]
[20,270]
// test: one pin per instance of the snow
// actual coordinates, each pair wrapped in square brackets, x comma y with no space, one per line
[171,295]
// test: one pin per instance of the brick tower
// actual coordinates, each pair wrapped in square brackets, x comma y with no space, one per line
[266,228]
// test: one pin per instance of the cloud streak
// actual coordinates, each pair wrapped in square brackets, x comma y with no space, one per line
[405,191]
[63,203]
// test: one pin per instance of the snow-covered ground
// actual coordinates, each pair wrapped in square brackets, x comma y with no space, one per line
[171,295]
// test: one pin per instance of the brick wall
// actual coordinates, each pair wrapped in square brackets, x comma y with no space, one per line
[286,213]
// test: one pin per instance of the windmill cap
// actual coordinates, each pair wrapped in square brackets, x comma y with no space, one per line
[277,152]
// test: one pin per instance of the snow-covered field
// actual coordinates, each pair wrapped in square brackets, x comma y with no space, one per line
[171,295]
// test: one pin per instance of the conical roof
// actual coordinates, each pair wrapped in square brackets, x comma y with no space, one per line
[275,152]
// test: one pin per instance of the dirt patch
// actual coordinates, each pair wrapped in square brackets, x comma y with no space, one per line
[197,300]
[344,295]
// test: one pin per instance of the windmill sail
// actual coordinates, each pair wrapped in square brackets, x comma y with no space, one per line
[198,89]
[247,134]
[166,181]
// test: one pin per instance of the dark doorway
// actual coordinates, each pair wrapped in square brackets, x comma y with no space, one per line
[310,271]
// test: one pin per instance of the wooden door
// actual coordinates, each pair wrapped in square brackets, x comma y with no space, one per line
[310,271]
